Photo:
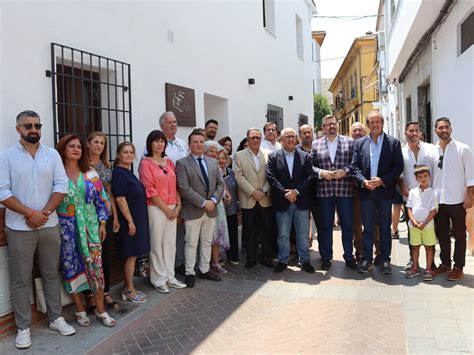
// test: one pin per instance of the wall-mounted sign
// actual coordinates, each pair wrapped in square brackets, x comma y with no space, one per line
[181,101]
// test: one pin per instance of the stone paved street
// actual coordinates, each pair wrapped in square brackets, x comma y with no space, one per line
[258,311]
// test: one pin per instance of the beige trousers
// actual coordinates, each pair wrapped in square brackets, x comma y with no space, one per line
[198,231]
[162,246]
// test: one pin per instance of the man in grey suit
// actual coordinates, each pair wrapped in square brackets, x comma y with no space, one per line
[201,187]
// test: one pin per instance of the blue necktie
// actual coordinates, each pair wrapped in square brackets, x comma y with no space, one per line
[203,172]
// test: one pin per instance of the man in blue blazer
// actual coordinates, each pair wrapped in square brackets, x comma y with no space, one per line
[377,163]
[289,174]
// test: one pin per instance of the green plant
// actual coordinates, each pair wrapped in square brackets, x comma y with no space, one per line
[321,109]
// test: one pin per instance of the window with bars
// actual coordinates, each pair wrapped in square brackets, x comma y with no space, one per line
[90,92]
[275,114]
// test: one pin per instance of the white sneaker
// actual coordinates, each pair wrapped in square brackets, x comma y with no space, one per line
[23,339]
[176,284]
[162,288]
[62,327]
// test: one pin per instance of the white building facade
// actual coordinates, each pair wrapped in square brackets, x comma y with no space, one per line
[213,48]
[109,66]
[429,65]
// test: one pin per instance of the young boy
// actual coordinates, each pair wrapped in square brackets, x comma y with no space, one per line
[422,206]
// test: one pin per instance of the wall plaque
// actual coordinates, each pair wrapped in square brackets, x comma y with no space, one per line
[181,101]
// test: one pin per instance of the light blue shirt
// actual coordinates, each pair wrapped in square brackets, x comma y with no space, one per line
[290,159]
[31,181]
[375,150]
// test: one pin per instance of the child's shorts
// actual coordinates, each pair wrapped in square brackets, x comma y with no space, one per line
[426,236]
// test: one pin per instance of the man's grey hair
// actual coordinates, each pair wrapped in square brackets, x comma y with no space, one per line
[355,124]
[251,129]
[286,130]
[373,113]
[163,117]
[27,113]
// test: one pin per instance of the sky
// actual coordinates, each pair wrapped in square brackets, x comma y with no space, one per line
[340,33]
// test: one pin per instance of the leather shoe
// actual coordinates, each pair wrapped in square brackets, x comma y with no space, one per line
[189,280]
[266,262]
[352,264]
[280,267]
[441,269]
[456,274]
[326,265]
[249,264]
[210,276]
[307,267]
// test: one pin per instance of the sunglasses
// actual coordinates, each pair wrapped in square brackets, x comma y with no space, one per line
[29,126]
[440,163]
[163,169]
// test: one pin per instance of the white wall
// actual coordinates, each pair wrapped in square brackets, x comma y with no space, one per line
[453,77]
[217,46]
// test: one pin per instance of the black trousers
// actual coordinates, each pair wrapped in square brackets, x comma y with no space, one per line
[456,214]
[233,227]
[252,219]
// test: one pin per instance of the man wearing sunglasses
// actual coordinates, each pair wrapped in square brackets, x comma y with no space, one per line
[32,185]
[454,182]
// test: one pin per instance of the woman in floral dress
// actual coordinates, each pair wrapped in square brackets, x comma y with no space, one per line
[82,217]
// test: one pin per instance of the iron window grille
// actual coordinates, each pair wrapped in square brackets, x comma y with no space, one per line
[275,114]
[303,119]
[90,93]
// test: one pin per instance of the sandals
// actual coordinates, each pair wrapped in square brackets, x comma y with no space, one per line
[82,319]
[106,320]
[112,304]
[428,276]
[90,303]
[218,268]
[412,273]
[139,298]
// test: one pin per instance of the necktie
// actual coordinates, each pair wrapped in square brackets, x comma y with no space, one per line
[203,172]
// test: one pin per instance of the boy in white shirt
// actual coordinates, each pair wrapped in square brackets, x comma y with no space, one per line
[422,206]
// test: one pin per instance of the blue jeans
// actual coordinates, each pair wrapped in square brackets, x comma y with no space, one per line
[300,218]
[327,207]
[376,211]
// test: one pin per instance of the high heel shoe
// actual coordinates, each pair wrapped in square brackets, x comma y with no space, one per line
[112,304]
[126,296]
[82,319]
[106,320]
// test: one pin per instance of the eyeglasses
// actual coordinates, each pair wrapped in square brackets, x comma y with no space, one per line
[440,163]
[289,137]
[330,124]
[72,146]
[29,126]
[163,169]
[255,138]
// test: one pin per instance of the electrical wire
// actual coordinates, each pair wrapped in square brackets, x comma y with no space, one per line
[354,55]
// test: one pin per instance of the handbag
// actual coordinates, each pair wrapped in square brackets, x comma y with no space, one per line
[142,266]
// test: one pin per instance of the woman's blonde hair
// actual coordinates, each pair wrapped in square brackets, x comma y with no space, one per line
[104,156]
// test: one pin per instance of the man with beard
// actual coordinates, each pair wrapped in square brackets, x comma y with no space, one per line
[454,183]
[331,158]
[210,129]
[377,163]
[32,185]
[415,153]
[306,138]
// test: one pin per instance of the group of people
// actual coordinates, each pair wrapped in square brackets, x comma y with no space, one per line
[69,204]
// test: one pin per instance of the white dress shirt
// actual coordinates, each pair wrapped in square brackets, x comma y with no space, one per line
[268,146]
[31,181]
[457,172]
[426,156]
[422,203]
[332,148]
[255,159]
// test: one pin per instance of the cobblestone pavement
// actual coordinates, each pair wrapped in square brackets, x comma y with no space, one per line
[258,311]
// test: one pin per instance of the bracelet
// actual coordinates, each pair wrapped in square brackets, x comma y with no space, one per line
[31,214]
[103,222]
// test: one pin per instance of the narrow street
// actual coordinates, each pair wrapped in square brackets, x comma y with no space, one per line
[258,311]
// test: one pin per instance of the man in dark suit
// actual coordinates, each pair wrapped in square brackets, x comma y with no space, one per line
[331,158]
[377,163]
[289,174]
[201,187]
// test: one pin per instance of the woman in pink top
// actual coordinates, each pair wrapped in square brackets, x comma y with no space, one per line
[158,176]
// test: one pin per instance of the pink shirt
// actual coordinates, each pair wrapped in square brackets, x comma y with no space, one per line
[157,182]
